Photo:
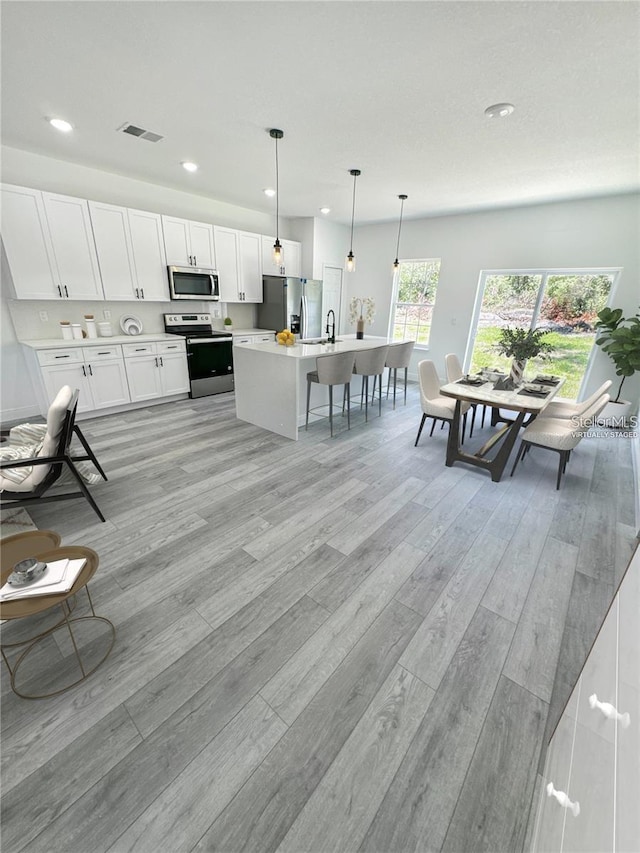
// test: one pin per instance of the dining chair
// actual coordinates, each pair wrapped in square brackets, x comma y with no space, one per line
[332,369]
[562,407]
[398,356]
[453,369]
[561,435]
[370,362]
[434,405]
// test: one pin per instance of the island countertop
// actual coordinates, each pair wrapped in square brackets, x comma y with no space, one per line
[271,380]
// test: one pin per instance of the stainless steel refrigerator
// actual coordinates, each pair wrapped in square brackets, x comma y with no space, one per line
[291,303]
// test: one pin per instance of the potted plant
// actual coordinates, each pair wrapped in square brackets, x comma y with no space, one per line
[620,339]
[228,324]
[361,309]
[521,345]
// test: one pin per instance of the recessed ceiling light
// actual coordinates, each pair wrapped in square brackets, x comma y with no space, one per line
[269,192]
[325,210]
[499,110]
[190,167]
[61,124]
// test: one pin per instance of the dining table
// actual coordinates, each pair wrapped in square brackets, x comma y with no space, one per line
[524,401]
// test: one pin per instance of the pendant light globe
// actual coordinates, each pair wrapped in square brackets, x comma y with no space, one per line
[277,134]
[351,260]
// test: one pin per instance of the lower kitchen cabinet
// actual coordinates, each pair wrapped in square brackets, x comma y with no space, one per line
[98,373]
[156,369]
[589,799]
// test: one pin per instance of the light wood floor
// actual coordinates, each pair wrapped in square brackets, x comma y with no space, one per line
[330,645]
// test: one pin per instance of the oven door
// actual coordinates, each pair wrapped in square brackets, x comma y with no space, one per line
[210,365]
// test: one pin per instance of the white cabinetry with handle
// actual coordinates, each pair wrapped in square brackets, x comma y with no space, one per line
[188,243]
[239,265]
[156,369]
[291,264]
[592,770]
[97,371]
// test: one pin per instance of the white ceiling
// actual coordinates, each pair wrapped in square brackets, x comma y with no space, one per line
[396,89]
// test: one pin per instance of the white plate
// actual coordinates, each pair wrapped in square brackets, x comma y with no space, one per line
[130,324]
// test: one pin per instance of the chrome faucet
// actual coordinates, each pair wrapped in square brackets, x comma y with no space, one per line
[331,337]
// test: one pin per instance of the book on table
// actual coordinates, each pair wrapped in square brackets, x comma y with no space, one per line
[58,577]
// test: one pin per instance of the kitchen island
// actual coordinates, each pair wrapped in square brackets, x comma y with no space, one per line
[271,381]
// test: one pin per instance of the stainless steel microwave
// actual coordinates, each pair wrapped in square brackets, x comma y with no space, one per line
[193,283]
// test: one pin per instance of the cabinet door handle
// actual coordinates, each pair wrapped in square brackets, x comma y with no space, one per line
[175,346]
[142,292]
[84,372]
[66,292]
[195,261]
[563,799]
[190,260]
[140,349]
[59,291]
[104,353]
[62,356]
[137,294]
[156,360]
[609,711]
[161,362]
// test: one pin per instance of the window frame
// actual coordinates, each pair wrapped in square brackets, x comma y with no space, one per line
[394,297]
[544,273]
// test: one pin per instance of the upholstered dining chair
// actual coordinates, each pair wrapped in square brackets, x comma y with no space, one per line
[562,407]
[332,369]
[370,362]
[453,369]
[25,477]
[434,405]
[398,356]
[561,435]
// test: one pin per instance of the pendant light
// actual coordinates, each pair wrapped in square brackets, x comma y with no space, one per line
[276,134]
[402,198]
[351,261]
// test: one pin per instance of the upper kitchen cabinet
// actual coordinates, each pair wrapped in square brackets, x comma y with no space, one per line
[239,265]
[291,258]
[49,245]
[188,243]
[74,248]
[131,253]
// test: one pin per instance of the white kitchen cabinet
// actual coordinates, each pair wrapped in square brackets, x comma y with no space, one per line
[27,244]
[262,338]
[188,243]
[130,251]
[589,799]
[74,251]
[97,371]
[239,265]
[156,369]
[291,257]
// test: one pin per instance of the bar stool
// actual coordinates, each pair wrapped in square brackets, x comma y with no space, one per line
[453,369]
[370,362]
[399,355]
[333,369]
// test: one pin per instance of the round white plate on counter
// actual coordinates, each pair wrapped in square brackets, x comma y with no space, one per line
[130,324]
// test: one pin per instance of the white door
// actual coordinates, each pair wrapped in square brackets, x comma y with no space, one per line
[174,373]
[227,258]
[332,292]
[113,245]
[73,246]
[27,244]
[143,376]
[268,266]
[201,243]
[292,258]
[176,241]
[148,255]
[250,252]
[74,375]
[108,383]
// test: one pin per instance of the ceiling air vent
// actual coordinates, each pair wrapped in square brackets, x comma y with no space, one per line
[140,132]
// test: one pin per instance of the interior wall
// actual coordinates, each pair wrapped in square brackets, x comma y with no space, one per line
[591,233]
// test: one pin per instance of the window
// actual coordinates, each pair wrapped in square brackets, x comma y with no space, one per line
[415,285]
[565,302]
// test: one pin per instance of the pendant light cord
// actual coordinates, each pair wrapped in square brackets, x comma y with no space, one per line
[353,212]
[277,195]
[399,229]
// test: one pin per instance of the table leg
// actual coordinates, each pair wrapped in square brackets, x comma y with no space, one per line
[453,442]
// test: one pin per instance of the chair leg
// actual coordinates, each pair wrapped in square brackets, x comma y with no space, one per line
[388,380]
[395,380]
[348,393]
[561,466]
[424,417]
[464,426]
[433,426]
[85,491]
[521,452]
[331,409]
[473,420]
[380,397]
[88,450]
[406,375]
[306,423]
[366,399]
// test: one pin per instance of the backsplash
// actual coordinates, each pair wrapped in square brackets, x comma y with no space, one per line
[28,325]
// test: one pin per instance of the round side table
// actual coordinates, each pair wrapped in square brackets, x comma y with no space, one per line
[19,608]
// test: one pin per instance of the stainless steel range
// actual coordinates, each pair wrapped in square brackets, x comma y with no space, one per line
[209,353]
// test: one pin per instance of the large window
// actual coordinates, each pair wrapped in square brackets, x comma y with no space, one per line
[415,286]
[564,302]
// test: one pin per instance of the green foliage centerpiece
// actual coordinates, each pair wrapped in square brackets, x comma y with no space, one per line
[521,345]
[620,339]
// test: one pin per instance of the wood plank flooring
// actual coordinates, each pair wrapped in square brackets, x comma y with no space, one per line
[329,645]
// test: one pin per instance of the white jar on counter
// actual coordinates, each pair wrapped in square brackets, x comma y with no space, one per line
[76,330]
[105,329]
[90,323]
[65,328]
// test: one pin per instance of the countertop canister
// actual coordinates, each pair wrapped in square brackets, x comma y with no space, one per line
[105,329]
[90,323]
